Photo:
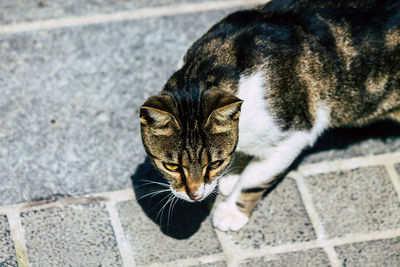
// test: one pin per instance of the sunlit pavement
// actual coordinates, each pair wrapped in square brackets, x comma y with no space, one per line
[74,182]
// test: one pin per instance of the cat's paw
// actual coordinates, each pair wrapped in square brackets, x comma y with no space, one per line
[227,184]
[227,217]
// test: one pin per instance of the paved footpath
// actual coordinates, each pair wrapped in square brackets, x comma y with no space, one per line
[76,189]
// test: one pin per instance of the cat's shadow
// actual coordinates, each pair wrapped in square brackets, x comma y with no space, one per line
[175,217]
[182,219]
[343,138]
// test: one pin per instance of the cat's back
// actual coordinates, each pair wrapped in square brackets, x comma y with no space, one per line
[351,59]
[343,53]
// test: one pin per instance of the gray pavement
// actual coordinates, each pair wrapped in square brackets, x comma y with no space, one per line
[72,164]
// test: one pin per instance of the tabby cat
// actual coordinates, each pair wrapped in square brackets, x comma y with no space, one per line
[267,82]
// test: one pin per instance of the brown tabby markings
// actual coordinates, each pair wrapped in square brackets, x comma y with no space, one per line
[345,48]
[376,85]
[392,39]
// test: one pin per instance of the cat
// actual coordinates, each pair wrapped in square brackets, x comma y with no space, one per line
[268,82]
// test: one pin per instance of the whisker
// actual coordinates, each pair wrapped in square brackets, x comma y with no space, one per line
[160,202]
[171,207]
[163,207]
[153,193]
[149,182]
[230,169]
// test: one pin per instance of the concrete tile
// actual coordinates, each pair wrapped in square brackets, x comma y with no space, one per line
[356,201]
[150,245]
[280,218]
[378,138]
[25,11]
[76,235]
[374,253]
[69,102]
[7,252]
[307,258]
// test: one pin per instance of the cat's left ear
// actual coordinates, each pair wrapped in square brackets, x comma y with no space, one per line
[223,110]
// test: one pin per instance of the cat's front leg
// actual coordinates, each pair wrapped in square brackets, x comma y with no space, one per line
[235,212]
[260,173]
[227,184]
[228,181]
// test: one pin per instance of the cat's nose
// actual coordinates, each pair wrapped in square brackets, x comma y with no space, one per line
[195,196]
[195,191]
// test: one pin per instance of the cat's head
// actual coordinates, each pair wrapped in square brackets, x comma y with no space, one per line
[190,138]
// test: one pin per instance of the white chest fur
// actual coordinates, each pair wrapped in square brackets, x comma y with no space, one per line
[257,130]
[259,134]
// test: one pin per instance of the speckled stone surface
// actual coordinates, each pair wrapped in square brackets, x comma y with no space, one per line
[7,253]
[356,201]
[397,166]
[280,218]
[69,102]
[78,235]
[152,246]
[307,258]
[24,11]
[370,254]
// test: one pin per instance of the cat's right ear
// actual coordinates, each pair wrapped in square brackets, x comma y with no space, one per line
[157,114]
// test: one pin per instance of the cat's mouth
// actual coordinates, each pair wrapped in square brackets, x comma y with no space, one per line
[202,193]
[184,196]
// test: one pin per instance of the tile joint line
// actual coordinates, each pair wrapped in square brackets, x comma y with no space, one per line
[17,234]
[227,251]
[314,218]
[330,242]
[124,247]
[394,177]
[348,163]
[191,261]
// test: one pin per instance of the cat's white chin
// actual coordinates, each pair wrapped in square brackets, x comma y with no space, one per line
[204,191]
[181,195]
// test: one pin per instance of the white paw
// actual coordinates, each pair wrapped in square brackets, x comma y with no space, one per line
[227,184]
[227,217]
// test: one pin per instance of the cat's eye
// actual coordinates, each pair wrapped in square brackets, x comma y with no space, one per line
[171,167]
[215,164]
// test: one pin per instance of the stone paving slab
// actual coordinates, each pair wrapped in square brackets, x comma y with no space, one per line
[307,258]
[374,253]
[69,102]
[356,201]
[66,233]
[152,246]
[280,218]
[25,11]
[76,235]
[7,253]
